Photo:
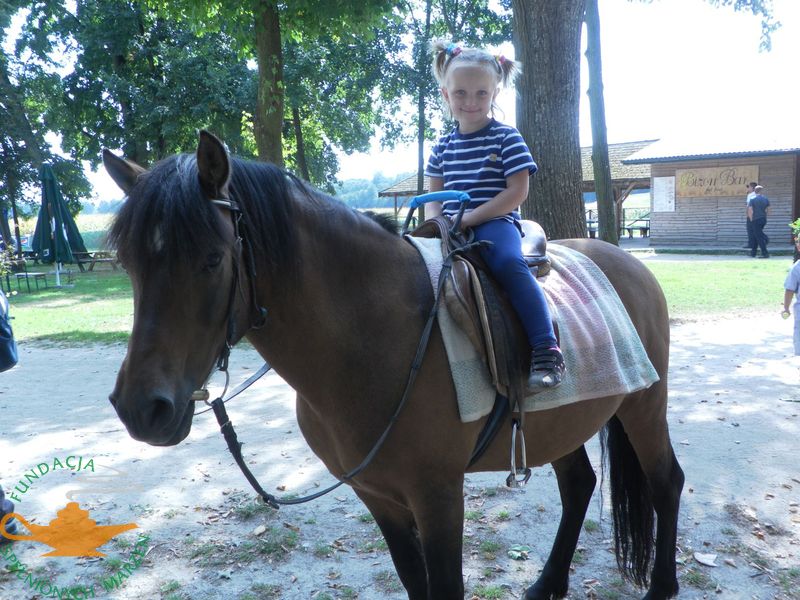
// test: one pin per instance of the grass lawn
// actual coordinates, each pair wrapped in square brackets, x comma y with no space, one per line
[696,288]
[99,307]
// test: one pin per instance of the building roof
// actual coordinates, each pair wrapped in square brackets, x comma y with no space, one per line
[617,153]
[713,147]
[405,187]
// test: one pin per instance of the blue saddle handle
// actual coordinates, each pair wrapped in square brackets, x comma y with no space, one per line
[442,196]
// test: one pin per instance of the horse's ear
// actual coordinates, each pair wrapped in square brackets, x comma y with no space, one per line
[123,172]
[213,165]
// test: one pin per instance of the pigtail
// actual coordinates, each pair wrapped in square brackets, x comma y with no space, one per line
[443,52]
[509,69]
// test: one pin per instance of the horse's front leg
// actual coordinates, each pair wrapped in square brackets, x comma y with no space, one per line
[576,482]
[400,532]
[439,513]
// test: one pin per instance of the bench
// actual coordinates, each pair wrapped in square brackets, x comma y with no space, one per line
[642,229]
[82,258]
[27,276]
[93,258]
[103,257]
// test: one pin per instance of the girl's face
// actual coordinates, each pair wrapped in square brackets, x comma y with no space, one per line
[469,92]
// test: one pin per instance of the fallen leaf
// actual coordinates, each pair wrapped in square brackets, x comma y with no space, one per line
[518,552]
[731,562]
[706,559]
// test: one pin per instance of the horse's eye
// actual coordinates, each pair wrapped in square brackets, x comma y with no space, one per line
[212,261]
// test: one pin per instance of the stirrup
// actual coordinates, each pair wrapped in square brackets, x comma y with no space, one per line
[524,470]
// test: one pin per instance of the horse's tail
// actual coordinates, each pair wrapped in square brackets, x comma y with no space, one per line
[631,504]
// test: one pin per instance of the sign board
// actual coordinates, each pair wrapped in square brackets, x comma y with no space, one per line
[715,182]
[663,194]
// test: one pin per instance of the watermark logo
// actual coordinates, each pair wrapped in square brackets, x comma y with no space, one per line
[73,533]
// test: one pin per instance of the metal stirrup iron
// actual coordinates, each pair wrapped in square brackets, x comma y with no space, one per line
[524,470]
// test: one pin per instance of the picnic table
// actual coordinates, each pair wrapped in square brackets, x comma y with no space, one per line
[93,258]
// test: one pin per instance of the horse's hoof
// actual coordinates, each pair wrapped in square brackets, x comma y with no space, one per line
[662,592]
[546,591]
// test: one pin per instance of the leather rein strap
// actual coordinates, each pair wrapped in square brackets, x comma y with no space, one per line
[218,405]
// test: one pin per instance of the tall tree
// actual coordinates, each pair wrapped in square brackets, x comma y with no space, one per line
[331,98]
[606,207]
[547,38]
[143,85]
[261,27]
[23,149]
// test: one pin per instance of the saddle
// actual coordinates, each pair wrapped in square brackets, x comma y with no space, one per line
[483,311]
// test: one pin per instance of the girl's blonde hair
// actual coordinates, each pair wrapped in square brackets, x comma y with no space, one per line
[448,54]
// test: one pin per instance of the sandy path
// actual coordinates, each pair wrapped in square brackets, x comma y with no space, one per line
[734,417]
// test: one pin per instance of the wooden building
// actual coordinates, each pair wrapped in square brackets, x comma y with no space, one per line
[698,193]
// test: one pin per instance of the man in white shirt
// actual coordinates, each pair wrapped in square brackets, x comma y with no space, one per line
[751,193]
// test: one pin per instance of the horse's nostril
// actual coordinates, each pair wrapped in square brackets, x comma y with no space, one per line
[162,413]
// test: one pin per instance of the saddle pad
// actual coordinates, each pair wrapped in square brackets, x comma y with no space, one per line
[602,351]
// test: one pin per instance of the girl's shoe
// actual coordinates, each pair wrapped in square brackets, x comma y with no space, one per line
[547,368]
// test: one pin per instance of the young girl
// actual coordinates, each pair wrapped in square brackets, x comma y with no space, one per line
[492,163]
[791,288]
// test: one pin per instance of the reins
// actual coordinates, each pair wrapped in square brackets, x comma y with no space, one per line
[218,405]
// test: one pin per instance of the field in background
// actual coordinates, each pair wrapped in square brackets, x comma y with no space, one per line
[93,229]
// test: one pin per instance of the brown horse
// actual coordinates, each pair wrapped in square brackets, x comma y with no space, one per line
[347,302]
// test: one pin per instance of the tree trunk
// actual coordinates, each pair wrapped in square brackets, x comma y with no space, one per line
[10,152]
[422,73]
[301,148]
[547,40]
[606,213]
[269,103]
[132,148]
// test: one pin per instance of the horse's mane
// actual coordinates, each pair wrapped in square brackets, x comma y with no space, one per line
[165,217]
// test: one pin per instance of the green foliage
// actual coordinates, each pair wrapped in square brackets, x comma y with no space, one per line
[25,85]
[759,8]
[144,85]
[795,227]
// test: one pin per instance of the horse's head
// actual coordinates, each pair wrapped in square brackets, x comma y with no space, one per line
[180,249]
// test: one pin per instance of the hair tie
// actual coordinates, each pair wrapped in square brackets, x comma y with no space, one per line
[452,50]
[500,59]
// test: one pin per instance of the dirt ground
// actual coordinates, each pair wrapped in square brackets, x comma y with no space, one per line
[735,422]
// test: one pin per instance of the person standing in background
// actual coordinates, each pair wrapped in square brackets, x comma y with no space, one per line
[751,193]
[791,287]
[757,211]
[8,358]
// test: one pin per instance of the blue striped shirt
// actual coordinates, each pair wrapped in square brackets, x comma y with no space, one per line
[478,163]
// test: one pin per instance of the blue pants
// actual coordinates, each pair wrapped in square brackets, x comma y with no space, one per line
[508,266]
